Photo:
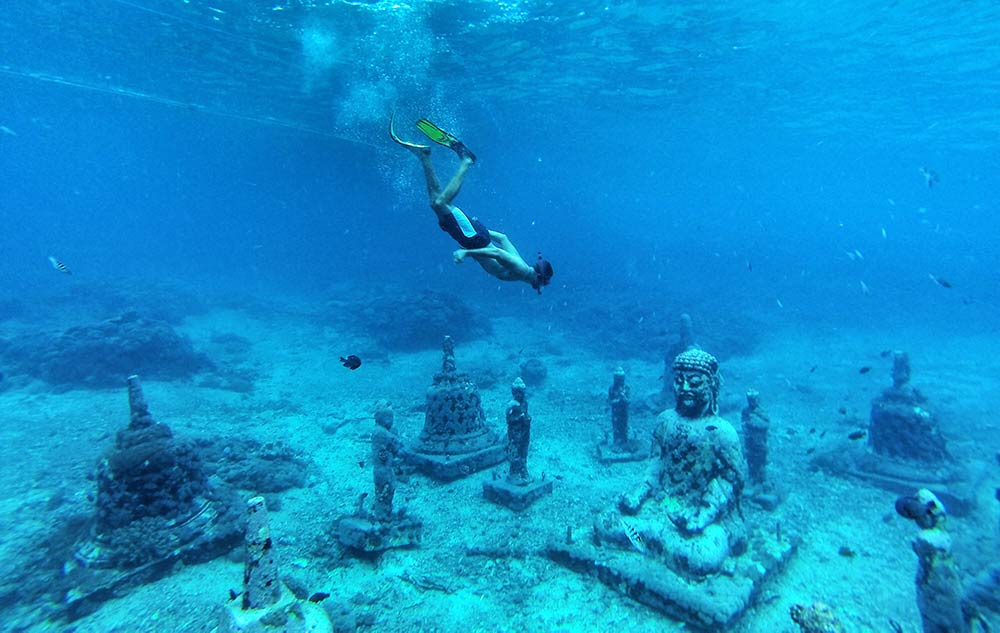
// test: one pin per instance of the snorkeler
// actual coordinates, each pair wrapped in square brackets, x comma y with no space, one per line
[491,250]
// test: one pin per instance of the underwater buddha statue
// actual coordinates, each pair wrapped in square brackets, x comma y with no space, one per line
[686,513]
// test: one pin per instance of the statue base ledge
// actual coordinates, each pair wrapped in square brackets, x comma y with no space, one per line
[712,603]
[365,535]
[946,480]
[633,451]
[515,497]
[456,466]
[287,615]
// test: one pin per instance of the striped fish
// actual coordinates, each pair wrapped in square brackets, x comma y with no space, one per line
[633,536]
[58,265]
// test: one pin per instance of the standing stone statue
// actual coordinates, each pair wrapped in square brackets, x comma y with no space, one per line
[622,448]
[519,490]
[386,448]
[265,604]
[939,584]
[383,528]
[677,541]
[756,422]
[456,440]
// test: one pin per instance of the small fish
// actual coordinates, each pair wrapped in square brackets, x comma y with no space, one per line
[858,254]
[749,266]
[930,177]
[811,451]
[233,595]
[319,596]
[58,265]
[6,130]
[857,435]
[633,535]
[865,290]
[812,430]
[886,353]
[812,369]
[842,411]
[884,234]
[352,362]
[944,283]
[780,304]
[864,370]
[711,427]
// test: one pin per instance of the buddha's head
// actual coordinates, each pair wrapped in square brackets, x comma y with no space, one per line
[696,383]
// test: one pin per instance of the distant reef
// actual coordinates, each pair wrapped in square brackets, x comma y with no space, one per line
[104,354]
[639,328]
[410,320]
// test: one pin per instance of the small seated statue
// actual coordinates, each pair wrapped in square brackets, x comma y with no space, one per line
[687,511]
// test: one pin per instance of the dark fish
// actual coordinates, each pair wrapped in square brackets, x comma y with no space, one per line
[790,431]
[811,451]
[813,368]
[711,427]
[846,552]
[233,595]
[864,370]
[823,434]
[749,266]
[856,435]
[319,596]
[352,362]
[944,283]
[842,411]
[886,353]
[58,265]
[812,430]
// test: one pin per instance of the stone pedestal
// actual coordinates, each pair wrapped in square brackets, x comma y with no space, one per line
[367,535]
[711,603]
[455,440]
[516,497]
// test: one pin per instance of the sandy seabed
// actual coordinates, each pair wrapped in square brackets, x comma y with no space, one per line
[479,567]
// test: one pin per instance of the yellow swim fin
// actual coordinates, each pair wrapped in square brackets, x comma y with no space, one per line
[441,137]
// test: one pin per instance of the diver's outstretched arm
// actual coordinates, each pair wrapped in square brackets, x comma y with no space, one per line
[504,243]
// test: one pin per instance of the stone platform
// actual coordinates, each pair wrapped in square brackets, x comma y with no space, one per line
[516,497]
[365,535]
[712,603]
[633,451]
[446,467]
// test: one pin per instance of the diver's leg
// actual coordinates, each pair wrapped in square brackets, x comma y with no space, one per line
[423,154]
[455,184]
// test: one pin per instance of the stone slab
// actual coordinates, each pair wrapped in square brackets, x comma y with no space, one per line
[713,603]
[365,535]
[635,452]
[448,467]
[515,497]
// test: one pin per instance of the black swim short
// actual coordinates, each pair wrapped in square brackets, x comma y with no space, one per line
[450,225]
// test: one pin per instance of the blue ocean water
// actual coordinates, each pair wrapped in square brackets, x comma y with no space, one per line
[762,165]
